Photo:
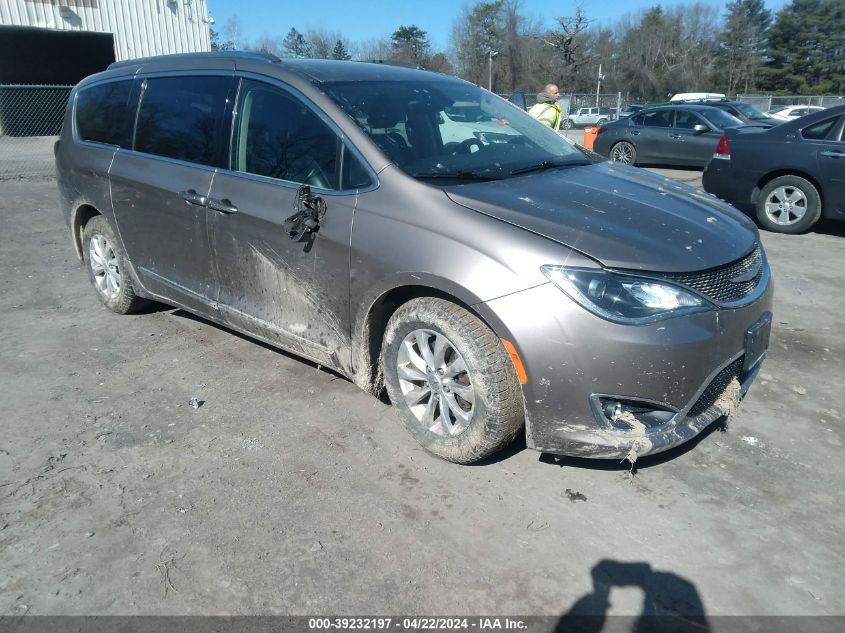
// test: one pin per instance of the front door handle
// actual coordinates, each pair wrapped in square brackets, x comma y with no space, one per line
[223,206]
[677,136]
[192,197]
[833,154]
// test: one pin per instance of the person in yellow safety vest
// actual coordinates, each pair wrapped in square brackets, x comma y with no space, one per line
[546,110]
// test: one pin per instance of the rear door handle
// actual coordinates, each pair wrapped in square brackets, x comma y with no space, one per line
[223,206]
[192,197]
[677,136]
[833,154]
[635,133]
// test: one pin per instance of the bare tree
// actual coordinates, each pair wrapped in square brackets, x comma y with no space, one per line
[232,31]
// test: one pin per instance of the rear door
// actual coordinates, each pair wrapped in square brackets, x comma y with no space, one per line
[292,292]
[160,186]
[650,135]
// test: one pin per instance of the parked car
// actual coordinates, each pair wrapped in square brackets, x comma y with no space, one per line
[793,174]
[790,113]
[665,135]
[745,112]
[490,287]
[583,117]
[630,110]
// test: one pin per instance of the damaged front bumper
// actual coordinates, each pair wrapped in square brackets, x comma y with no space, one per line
[603,390]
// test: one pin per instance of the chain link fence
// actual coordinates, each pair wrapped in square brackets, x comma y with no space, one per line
[30,120]
[767,103]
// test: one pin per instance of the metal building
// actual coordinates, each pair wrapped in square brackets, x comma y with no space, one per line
[141,27]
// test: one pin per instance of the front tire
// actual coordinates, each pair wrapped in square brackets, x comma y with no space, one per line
[789,204]
[624,152]
[451,381]
[107,270]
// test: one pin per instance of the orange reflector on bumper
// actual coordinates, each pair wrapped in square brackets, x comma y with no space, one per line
[517,361]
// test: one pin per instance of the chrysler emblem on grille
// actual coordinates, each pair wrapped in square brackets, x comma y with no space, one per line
[749,274]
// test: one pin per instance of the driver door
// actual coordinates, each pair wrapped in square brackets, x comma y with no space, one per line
[291,292]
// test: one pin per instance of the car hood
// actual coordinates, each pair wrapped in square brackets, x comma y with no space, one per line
[622,216]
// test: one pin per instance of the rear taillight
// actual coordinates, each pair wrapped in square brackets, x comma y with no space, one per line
[600,130]
[723,150]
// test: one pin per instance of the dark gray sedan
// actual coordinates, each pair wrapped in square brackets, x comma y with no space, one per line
[793,174]
[666,135]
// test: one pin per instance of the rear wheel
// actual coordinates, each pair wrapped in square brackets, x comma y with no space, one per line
[789,204]
[624,152]
[106,264]
[451,381]
[567,124]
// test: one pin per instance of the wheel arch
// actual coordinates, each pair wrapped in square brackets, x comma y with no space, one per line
[81,216]
[765,180]
[370,326]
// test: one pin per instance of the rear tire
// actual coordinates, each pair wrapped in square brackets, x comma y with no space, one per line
[107,269]
[623,152]
[788,204]
[438,359]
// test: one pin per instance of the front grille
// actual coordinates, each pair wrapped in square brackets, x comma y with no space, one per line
[716,388]
[716,284]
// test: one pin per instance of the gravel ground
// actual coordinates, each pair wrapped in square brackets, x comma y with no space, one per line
[289,491]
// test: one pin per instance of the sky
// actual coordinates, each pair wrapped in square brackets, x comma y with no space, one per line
[361,20]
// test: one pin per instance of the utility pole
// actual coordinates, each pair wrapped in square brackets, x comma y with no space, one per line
[490,56]
[598,86]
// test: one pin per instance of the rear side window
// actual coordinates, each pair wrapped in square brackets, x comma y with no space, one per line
[182,118]
[820,130]
[656,118]
[278,136]
[102,113]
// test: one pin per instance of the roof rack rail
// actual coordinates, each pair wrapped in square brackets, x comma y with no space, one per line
[213,54]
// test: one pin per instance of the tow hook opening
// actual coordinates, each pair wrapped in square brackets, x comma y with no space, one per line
[625,414]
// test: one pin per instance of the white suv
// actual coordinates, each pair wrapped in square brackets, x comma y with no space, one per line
[584,117]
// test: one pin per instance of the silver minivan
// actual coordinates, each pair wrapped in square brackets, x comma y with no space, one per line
[497,283]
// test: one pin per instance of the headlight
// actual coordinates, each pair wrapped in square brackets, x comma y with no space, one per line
[623,298]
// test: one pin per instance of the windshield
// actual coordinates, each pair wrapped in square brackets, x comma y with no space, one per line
[437,129]
[750,111]
[720,118]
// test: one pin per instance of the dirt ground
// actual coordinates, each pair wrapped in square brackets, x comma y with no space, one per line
[289,491]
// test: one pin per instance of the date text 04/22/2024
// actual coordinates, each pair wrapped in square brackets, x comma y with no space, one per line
[415,623]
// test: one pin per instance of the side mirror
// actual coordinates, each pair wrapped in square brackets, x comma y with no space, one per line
[700,129]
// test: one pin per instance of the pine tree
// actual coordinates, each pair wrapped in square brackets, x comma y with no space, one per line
[295,45]
[806,51]
[340,51]
[742,43]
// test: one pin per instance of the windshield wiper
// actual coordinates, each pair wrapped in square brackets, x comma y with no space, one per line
[454,175]
[549,164]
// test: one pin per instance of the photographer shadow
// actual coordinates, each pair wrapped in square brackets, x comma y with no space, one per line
[670,603]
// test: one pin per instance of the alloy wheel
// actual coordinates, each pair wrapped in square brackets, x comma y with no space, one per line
[622,153]
[435,382]
[104,266]
[786,205]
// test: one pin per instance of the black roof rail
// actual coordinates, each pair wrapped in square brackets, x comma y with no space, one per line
[213,55]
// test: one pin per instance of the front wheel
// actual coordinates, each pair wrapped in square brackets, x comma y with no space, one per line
[624,152]
[451,381]
[789,204]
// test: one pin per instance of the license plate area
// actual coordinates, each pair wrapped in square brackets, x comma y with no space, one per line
[757,341]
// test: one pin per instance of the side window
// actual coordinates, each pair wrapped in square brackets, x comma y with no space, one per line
[182,118]
[685,120]
[354,174]
[657,118]
[103,114]
[278,136]
[820,130]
